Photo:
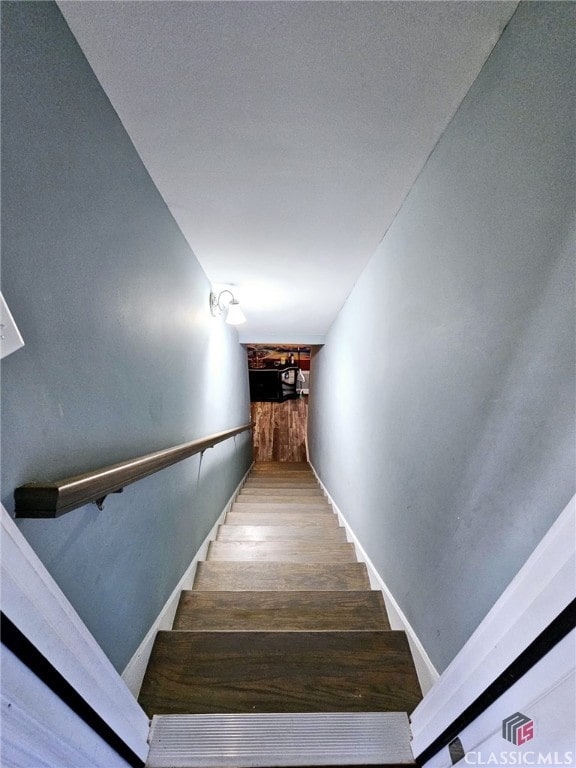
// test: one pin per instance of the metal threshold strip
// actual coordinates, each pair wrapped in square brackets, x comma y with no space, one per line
[268,740]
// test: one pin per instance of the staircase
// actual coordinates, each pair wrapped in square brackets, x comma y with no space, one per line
[281,654]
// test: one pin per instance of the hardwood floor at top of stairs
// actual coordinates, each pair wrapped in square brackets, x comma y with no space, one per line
[279,432]
[281,617]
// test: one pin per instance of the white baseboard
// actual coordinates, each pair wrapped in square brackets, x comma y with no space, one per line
[133,674]
[426,671]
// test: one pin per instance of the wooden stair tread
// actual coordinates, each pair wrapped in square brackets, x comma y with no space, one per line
[226,576]
[195,672]
[281,466]
[281,611]
[269,498]
[297,476]
[280,533]
[296,473]
[281,552]
[284,492]
[285,507]
[271,482]
[311,518]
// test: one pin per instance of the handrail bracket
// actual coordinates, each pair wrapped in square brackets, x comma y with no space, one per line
[100,501]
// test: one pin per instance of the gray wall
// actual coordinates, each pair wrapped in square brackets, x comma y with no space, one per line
[122,356]
[453,452]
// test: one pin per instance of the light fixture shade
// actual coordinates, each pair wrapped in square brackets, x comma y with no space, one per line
[235,315]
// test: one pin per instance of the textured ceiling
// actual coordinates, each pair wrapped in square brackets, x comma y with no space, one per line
[284,136]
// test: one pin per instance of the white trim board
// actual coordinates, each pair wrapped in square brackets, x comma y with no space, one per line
[33,601]
[133,673]
[39,729]
[426,671]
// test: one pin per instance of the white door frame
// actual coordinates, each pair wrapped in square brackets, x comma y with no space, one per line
[38,611]
[543,588]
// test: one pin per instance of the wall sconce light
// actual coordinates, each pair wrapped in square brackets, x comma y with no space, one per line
[234,315]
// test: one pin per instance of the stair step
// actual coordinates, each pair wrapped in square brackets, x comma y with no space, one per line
[281,611]
[312,518]
[225,577]
[281,552]
[280,533]
[275,472]
[281,466]
[286,507]
[288,492]
[270,482]
[269,740]
[199,672]
[286,477]
[292,498]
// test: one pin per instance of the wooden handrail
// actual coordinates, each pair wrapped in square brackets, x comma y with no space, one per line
[55,499]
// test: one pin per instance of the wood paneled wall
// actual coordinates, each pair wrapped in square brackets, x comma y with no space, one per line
[280,430]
